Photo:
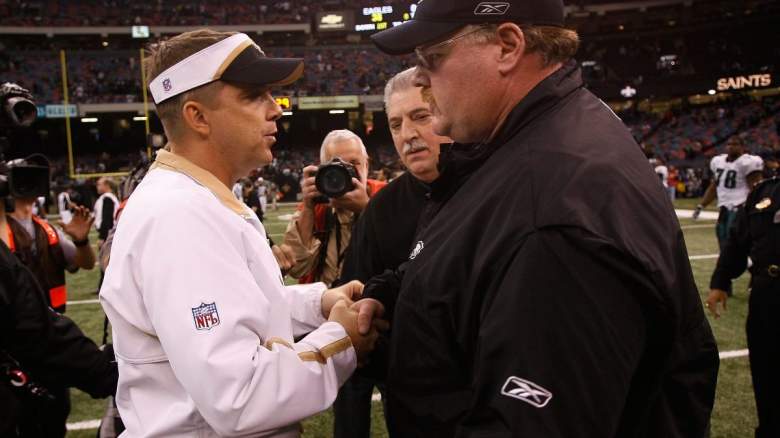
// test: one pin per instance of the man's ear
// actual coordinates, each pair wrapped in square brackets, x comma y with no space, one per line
[194,116]
[511,40]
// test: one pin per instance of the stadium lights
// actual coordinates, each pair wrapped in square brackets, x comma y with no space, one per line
[286,113]
[711,92]
[89,120]
[336,111]
[139,118]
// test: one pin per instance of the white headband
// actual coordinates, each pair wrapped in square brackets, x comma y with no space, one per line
[199,69]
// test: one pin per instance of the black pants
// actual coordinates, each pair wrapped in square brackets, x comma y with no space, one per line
[763,336]
[726,219]
[352,408]
[46,419]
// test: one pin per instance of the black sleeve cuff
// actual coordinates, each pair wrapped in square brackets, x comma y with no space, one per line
[720,281]
[385,288]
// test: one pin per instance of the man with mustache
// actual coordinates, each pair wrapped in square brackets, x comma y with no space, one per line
[550,292]
[383,237]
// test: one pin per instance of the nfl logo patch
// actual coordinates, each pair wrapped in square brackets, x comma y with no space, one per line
[205,316]
[167,85]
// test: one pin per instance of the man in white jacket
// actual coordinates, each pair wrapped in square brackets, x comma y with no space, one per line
[204,328]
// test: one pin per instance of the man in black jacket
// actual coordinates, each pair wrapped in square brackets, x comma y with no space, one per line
[550,294]
[48,347]
[383,235]
[756,234]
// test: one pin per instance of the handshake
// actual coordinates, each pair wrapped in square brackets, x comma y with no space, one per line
[360,318]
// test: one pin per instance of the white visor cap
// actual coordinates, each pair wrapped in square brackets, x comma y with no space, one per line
[235,59]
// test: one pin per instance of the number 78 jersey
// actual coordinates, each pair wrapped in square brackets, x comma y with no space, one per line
[731,178]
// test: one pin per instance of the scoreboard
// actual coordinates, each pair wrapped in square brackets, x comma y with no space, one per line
[378,18]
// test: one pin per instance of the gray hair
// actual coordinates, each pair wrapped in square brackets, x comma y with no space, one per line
[400,82]
[339,135]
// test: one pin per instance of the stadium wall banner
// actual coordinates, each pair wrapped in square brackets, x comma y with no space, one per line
[743,82]
[328,102]
[56,111]
[335,21]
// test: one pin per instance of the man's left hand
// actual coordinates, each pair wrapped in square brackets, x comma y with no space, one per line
[355,200]
[78,228]
[284,256]
[348,293]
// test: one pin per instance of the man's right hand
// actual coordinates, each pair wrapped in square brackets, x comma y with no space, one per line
[716,298]
[348,318]
[308,189]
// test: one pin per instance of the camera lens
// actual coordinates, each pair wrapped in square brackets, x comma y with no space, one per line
[334,181]
[23,110]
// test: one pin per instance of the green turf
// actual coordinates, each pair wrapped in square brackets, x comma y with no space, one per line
[733,416]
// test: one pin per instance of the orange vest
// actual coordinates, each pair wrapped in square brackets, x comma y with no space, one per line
[48,265]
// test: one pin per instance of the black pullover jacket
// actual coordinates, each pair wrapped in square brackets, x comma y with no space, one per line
[550,294]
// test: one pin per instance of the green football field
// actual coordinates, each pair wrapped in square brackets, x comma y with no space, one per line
[733,417]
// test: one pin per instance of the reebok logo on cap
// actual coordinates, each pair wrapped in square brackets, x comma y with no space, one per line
[491,8]
[435,20]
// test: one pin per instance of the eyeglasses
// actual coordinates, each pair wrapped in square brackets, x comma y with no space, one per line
[429,58]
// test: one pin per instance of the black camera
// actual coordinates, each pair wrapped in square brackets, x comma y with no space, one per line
[334,179]
[27,177]
[17,108]
[23,178]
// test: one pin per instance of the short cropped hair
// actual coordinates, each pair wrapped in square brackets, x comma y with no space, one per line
[400,82]
[554,44]
[339,135]
[164,55]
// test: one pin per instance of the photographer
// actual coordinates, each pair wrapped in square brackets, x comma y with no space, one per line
[46,250]
[41,351]
[319,232]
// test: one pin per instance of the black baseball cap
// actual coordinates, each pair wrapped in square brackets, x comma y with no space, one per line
[435,19]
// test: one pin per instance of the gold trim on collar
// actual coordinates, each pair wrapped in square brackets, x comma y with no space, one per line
[170,161]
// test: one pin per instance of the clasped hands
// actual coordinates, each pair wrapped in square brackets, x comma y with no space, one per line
[360,319]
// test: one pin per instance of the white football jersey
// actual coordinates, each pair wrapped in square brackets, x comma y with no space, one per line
[731,178]
[663,174]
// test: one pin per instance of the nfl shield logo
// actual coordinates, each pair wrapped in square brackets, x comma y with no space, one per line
[167,85]
[205,316]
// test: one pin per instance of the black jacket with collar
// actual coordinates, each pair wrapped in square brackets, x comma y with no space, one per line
[550,294]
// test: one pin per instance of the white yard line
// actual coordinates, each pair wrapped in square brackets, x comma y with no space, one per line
[693,227]
[84,425]
[687,214]
[76,303]
[734,353]
[704,257]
